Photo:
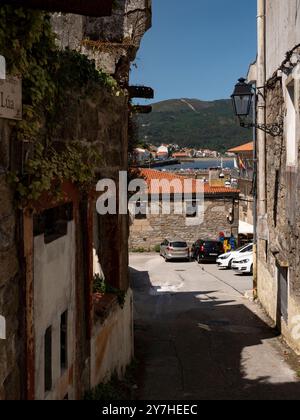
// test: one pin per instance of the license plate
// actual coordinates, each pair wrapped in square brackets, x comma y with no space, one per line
[213,255]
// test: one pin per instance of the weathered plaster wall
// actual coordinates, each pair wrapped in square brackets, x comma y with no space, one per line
[283,31]
[54,293]
[112,343]
[148,233]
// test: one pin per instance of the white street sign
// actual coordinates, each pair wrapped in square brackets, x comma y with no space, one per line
[2,328]
[2,68]
[11,98]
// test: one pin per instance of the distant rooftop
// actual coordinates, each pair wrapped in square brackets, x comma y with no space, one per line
[153,178]
[248,147]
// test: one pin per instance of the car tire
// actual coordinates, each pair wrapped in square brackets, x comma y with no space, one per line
[230,265]
[251,270]
[199,259]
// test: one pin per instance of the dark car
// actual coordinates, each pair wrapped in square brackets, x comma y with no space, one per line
[207,250]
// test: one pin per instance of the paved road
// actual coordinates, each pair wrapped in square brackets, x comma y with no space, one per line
[198,338]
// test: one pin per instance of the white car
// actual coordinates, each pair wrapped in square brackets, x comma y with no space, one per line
[225,260]
[244,264]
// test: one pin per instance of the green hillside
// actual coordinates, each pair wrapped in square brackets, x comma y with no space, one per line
[194,123]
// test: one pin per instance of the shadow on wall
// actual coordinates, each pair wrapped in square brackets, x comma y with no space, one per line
[193,346]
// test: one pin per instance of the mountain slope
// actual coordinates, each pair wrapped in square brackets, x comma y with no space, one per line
[195,123]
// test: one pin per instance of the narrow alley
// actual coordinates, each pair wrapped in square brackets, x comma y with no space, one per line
[198,337]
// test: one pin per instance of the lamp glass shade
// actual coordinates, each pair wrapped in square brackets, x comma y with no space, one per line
[242,105]
[242,98]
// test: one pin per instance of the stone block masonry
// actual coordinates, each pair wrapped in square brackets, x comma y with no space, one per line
[148,233]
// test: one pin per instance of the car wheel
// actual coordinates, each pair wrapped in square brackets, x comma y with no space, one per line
[230,265]
[198,259]
[251,270]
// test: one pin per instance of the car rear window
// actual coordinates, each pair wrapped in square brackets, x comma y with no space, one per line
[179,244]
[211,244]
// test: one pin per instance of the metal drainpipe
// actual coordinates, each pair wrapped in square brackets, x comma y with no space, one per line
[255,295]
[260,137]
[261,108]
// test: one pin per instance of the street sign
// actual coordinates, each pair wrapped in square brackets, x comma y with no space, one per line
[2,67]
[2,328]
[11,98]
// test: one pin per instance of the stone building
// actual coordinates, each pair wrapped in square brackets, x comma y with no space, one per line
[277,70]
[61,339]
[245,163]
[217,213]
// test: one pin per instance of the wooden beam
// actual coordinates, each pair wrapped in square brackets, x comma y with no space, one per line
[95,8]
[141,92]
[29,302]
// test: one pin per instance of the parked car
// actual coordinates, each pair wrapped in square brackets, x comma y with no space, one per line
[206,250]
[175,249]
[244,264]
[225,260]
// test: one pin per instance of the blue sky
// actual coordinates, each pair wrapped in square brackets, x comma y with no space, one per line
[197,48]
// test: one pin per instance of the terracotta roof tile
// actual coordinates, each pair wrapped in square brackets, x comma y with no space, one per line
[154,178]
[248,147]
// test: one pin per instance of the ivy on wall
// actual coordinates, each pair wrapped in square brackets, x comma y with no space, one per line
[47,171]
[51,79]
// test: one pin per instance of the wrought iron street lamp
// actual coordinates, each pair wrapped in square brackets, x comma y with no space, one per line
[242,99]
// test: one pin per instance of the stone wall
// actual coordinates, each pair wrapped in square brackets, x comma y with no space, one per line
[146,234]
[11,349]
[111,41]
[100,120]
[283,218]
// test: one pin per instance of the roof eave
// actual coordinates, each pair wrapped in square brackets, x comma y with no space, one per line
[94,8]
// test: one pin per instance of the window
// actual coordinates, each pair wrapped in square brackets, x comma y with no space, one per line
[283,292]
[178,245]
[247,249]
[48,359]
[191,209]
[64,341]
[141,210]
[53,223]
[291,125]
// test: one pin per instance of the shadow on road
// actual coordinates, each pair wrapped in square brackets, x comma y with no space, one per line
[194,346]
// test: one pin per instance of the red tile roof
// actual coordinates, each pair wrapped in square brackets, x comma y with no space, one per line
[154,178]
[180,155]
[248,147]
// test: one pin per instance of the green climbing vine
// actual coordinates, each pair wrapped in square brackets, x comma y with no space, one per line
[52,81]
[47,171]
[101,286]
